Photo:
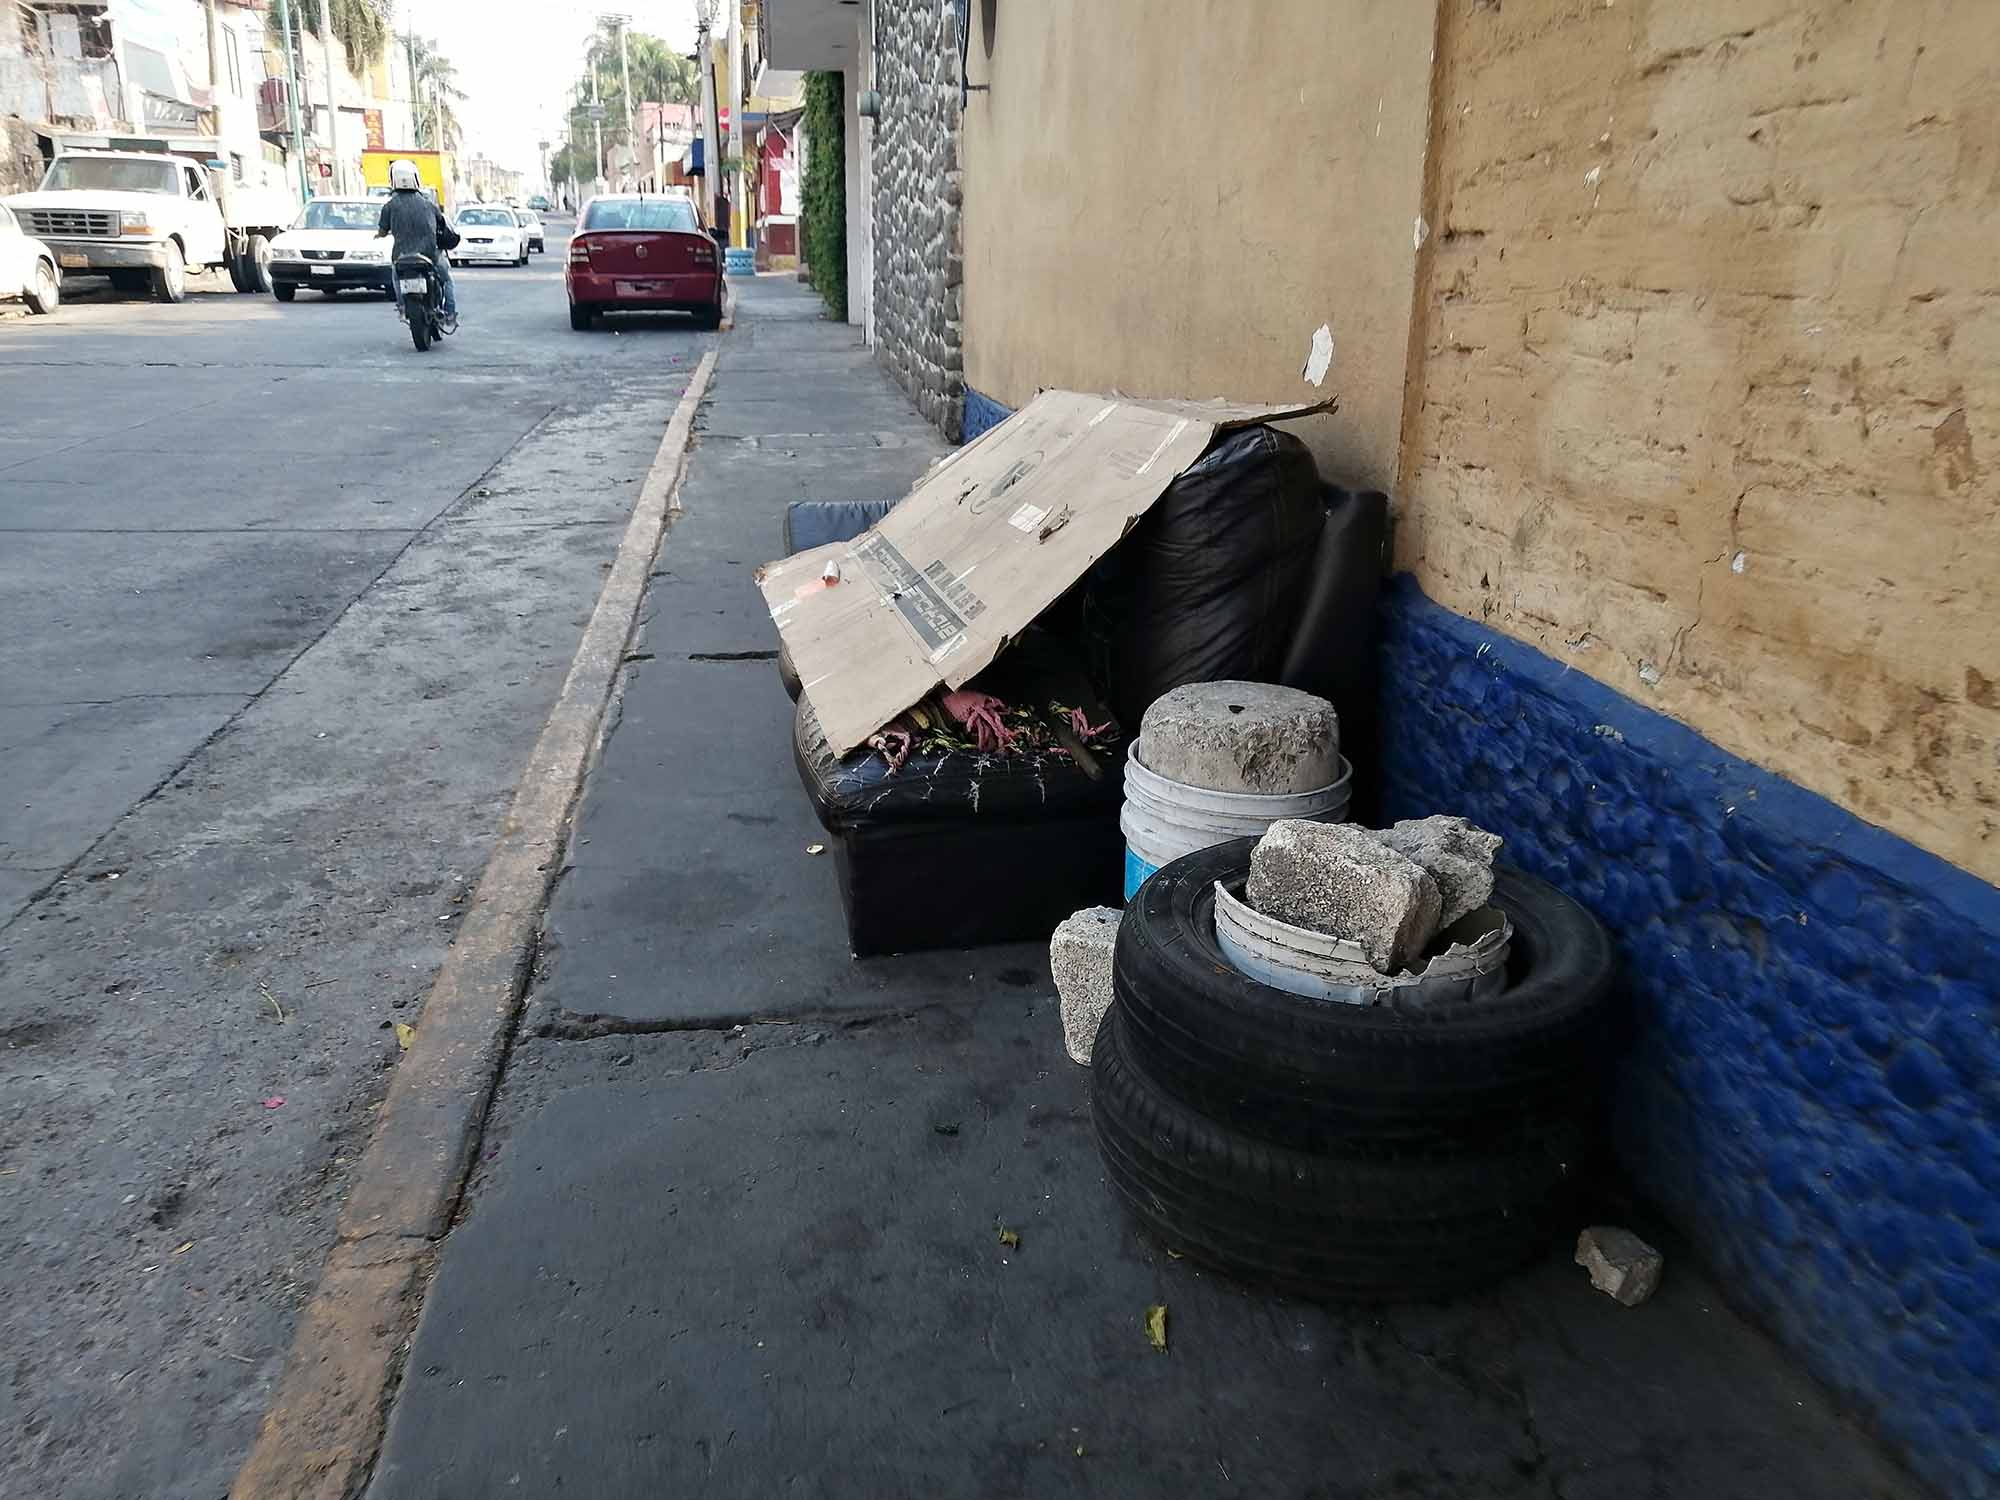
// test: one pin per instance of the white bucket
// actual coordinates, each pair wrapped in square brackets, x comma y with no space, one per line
[1467,961]
[1162,819]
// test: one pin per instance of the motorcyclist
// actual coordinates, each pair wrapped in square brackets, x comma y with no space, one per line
[417,223]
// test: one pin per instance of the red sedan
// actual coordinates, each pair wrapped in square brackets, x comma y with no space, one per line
[637,252]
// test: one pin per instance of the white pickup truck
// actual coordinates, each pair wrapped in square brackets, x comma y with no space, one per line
[146,218]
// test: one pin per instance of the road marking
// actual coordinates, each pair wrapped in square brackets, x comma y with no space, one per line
[321,1435]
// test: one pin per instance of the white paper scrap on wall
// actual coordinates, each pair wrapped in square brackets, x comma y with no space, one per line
[1320,357]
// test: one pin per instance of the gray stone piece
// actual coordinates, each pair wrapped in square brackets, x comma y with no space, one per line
[1458,854]
[1242,737]
[1621,1265]
[1080,957]
[1343,881]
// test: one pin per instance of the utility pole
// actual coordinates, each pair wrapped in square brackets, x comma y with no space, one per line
[596,123]
[625,66]
[217,89]
[292,93]
[332,104]
[710,131]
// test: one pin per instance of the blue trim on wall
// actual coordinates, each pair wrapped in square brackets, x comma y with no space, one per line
[981,412]
[1813,1092]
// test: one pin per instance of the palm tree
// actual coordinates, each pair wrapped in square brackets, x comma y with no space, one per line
[434,88]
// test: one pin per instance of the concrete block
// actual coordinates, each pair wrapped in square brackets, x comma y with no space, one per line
[1080,956]
[1457,853]
[1242,737]
[1621,1265]
[1343,881]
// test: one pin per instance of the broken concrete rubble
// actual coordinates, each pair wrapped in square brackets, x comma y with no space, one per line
[1457,853]
[1621,1265]
[1343,881]
[1242,737]
[1080,957]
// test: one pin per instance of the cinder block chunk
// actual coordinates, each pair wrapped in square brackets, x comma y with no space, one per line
[1344,881]
[1080,956]
[1621,1265]
[1242,737]
[1457,853]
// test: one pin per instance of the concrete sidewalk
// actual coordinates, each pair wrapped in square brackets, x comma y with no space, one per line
[735,1230]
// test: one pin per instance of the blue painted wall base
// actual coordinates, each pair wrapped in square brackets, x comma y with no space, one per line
[1814,1094]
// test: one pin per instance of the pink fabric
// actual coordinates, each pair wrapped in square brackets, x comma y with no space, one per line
[894,745]
[980,713]
[1080,723]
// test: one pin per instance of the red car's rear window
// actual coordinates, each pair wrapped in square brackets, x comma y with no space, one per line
[642,213]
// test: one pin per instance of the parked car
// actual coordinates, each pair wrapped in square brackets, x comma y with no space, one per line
[333,247]
[488,234]
[146,218]
[28,268]
[643,253]
[531,229]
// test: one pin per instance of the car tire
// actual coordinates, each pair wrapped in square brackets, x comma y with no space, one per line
[1313,1075]
[170,280]
[45,291]
[708,317]
[256,260]
[581,317]
[1323,1225]
[284,291]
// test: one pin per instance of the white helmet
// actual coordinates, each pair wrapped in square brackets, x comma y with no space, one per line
[403,176]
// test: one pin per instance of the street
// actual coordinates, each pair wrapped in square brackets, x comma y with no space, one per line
[285,604]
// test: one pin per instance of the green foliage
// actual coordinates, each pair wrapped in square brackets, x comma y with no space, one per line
[360,26]
[823,193]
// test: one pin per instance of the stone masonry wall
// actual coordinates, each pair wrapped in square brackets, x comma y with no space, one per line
[1706,385]
[918,246]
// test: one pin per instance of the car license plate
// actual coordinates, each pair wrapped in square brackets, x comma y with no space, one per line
[414,284]
[74,262]
[635,288]
[322,270]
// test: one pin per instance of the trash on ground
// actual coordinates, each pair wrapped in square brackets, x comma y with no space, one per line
[1009,1238]
[276,1101]
[1156,1326]
[1080,958]
[983,544]
[1621,1265]
[815,848]
[183,1249]
[1344,882]
[405,1034]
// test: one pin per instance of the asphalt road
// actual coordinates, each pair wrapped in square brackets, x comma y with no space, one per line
[284,604]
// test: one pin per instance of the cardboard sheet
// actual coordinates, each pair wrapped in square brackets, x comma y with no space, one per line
[986,541]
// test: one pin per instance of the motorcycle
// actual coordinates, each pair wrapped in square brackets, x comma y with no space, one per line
[422,297]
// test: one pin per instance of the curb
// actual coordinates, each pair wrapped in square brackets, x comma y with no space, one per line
[319,1439]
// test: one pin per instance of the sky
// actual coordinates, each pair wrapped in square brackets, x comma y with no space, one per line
[517,72]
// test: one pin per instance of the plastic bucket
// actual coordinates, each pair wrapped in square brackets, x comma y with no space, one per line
[1467,961]
[1164,819]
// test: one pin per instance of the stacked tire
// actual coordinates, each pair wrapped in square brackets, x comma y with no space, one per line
[1340,1151]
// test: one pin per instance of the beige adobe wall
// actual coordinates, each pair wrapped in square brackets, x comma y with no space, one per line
[1705,390]
[1170,196]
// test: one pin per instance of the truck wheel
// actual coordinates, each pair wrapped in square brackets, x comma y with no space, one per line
[46,293]
[170,280]
[256,260]
[284,291]
[233,263]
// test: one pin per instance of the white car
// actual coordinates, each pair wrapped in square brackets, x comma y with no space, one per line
[333,247]
[532,230]
[27,268]
[489,235]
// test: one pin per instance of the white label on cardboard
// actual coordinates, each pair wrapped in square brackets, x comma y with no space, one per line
[1027,518]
